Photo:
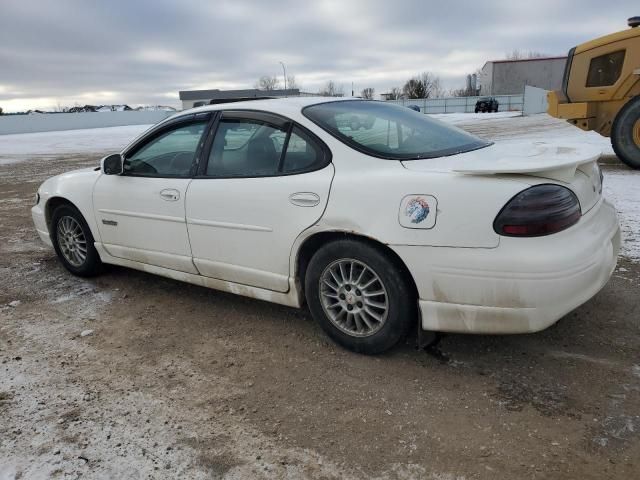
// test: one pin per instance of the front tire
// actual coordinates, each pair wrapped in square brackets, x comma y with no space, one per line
[73,242]
[625,133]
[360,298]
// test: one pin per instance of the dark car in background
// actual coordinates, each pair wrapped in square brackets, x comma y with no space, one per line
[486,104]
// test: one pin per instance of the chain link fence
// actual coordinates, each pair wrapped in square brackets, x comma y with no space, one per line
[506,103]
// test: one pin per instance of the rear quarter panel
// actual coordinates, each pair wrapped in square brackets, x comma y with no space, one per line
[367,193]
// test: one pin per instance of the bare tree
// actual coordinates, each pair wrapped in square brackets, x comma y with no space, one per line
[395,93]
[459,92]
[421,86]
[437,90]
[291,82]
[0,110]
[59,108]
[267,83]
[517,54]
[368,93]
[332,90]
[413,88]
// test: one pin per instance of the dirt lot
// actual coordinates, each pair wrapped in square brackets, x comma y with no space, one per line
[176,381]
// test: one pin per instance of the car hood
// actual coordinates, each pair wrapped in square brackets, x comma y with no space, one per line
[543,159]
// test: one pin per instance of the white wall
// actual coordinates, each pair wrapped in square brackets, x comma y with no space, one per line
[535,100]
[48,122]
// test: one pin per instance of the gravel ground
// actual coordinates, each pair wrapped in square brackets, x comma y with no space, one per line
[133,376]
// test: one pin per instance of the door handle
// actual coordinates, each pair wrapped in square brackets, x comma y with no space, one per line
[170,194]
[304,199]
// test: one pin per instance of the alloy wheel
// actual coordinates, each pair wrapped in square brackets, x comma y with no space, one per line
[72,241]
[354,297]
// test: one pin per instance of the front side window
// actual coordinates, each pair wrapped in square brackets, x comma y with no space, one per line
[170,154]
[249,147]
[390,131]
[605,70]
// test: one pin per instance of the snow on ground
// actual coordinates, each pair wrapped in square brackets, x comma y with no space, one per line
[537,128]
[17,147]
[622,187]
[456,118]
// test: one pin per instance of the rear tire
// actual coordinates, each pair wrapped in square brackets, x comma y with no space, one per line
[73,242]
[360,298]
[625,133]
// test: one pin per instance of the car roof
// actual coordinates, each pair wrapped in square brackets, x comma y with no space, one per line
[284,106]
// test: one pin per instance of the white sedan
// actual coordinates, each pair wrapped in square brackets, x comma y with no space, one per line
[377,217]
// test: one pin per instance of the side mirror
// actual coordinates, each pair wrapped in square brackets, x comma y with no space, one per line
[112,164]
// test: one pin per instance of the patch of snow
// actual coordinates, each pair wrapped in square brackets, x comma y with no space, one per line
[86,333]
[537,128]
[456,118]
[16,147]
[15,303]
[622,187]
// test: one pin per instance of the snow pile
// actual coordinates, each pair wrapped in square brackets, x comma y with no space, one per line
[90,140]
[456,118]
[622,187]
[536,128]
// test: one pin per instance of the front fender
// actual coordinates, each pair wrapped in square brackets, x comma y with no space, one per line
[75,187]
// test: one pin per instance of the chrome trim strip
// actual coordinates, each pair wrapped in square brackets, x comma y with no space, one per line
[232,226]
[150,216]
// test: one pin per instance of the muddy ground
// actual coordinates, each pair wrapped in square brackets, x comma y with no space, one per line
[176,381]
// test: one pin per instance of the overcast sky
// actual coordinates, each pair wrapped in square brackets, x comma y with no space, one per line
[70,52]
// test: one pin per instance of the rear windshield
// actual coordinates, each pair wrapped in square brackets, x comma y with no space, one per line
[390,131]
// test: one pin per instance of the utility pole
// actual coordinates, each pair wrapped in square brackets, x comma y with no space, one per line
[284,74]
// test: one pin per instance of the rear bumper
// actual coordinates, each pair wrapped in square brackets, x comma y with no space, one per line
[40,222]
[524,285]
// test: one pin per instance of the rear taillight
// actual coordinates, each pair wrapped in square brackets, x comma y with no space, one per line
[536,211]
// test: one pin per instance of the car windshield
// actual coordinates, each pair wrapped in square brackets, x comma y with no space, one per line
[390,131]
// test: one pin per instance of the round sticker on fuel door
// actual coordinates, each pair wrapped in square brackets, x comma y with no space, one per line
[418,211]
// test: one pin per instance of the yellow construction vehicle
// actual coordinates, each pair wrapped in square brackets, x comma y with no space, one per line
[601,90]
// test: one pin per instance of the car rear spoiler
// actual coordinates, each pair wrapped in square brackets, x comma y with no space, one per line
[558,162]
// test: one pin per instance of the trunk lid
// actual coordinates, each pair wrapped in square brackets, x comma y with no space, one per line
[572,164]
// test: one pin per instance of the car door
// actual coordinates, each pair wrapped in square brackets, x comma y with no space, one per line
[266,180]
[141,213]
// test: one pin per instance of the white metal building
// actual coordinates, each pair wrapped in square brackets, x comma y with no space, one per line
[509,77]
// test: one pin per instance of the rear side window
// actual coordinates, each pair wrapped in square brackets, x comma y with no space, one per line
[302,153]
[245,148]
[606,69]
[250,147]
[390,131]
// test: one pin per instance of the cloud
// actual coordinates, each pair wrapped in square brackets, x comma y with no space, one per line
[73,51]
